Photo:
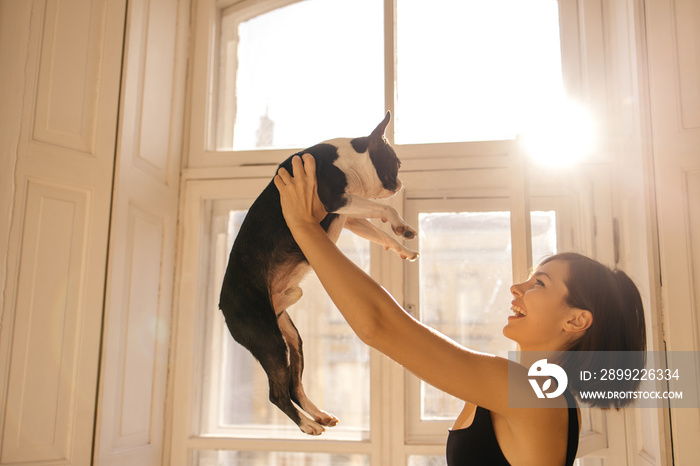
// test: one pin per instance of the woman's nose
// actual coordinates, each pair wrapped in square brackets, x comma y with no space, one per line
[517,289]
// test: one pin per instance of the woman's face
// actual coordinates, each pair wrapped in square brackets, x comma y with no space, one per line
[540,310]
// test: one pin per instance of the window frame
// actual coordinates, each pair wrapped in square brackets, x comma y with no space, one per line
[193,272]
[435,431]
[204,84]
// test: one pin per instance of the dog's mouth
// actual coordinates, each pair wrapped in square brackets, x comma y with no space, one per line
[386,194]
[394,185]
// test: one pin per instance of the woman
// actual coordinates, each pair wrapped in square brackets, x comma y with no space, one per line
[552,311]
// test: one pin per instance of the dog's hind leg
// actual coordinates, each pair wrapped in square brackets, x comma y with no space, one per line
[296,362]
[268,346]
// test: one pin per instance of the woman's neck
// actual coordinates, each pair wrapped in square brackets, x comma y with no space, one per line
[529,355]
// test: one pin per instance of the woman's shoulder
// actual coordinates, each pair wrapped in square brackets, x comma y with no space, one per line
[466,417]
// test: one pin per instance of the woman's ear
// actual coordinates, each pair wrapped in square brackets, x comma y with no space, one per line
[579,320]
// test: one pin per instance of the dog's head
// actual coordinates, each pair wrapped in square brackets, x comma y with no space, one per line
[383,157]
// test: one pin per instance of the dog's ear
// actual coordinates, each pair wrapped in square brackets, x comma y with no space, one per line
[378,132]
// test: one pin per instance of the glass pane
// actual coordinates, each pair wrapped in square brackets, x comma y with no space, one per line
[543,226]
[234,400]
[472,70]
[259,458]
[299,75]
[465,274]
[416,460]
[465,277]
[590,462]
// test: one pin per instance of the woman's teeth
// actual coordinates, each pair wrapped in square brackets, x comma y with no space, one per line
[518,311]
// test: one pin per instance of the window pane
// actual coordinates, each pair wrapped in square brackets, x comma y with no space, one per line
[471,70]
[590,462]
[258,458]
[301,74]
[465,277]
[465,272]
[418,460]
[234,400]
[543,226]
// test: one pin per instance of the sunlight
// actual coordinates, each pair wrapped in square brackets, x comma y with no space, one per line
[475,68]
[560,133]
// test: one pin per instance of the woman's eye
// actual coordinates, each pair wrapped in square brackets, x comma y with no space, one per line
[539,282]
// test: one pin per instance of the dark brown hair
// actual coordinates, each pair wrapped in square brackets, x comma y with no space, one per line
[618,324]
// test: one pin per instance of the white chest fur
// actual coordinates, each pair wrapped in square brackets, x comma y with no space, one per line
[284,282]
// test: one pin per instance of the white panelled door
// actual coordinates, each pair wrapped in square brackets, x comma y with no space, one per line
[60,71]
[673,40]
[131,409]
[90,135]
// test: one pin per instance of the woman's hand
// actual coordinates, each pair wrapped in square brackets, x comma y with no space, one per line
[299,195]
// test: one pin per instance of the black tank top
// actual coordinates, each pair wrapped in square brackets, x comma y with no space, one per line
[477,445]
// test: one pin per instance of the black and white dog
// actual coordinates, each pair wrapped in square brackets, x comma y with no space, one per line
[266,265]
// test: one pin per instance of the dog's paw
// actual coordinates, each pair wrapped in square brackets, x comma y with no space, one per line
[409,233]
[402,251]
[327,419]
[310,427]
[410,256]
[404,231]
[398,225]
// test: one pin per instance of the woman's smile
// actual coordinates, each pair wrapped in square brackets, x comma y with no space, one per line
[518,312]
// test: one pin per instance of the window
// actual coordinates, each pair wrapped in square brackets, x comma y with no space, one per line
[464,281]
[290,73]
[296,74]
[460,282]
[272,77]
[478,67]
[460,286]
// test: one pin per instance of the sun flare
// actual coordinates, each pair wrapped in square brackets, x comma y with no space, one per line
[559,134]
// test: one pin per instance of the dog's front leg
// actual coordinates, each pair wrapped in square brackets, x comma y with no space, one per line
[365,229]
[359,207]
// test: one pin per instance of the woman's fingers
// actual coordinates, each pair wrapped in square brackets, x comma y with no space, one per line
[318,208]
[304,172]
[305,167]
[309,166]
[297,166]
[298,195]
[283,177]
[309,174]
